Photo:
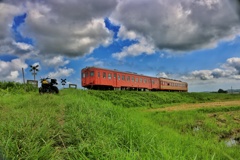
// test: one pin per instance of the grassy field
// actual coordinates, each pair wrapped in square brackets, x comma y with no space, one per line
[81,124]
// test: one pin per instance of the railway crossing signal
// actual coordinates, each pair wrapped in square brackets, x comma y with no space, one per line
[63,81]
[34,70]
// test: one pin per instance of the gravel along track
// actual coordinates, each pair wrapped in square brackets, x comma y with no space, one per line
[193,106]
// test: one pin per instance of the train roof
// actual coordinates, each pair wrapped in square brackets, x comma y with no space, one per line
[115,70]
[133,73]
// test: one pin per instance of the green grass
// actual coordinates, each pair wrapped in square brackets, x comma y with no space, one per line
[130,99]
[79,124]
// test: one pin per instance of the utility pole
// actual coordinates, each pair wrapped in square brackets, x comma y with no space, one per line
[23,76]
[23,79]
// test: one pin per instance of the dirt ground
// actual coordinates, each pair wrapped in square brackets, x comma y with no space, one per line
[181,107]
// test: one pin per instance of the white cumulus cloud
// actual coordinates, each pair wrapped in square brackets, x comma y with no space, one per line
[135,50]
[10,71]
[55,61]
[178,25]
[71,28]
[230,70]
[61,72]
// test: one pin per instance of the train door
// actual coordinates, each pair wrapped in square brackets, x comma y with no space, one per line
[98,77]
[151,83]
[160,83]
[83,75]
[114,79]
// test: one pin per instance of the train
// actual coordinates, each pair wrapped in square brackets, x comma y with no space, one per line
[106,79]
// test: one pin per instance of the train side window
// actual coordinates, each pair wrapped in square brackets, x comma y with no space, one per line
[104,74]
[98,74]
[115,75]
[136,79]
[128,78]
[109,75]
[123,77]
[92,73]
[86,74]
[140,80]
[119,77]
[83,75]
[133,79]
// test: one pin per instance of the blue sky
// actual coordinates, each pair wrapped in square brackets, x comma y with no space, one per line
[193,41]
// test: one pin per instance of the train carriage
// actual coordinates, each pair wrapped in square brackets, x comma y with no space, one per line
[172,85]
[100,78]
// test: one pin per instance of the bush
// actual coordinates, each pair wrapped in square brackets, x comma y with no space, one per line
[16,87]
[221,91]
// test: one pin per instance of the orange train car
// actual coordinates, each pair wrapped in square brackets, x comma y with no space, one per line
[106,79]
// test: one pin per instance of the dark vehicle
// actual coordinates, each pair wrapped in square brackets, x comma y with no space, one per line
[48,87]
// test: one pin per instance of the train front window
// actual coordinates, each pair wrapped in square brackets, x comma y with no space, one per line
[92,73]
[83,75]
